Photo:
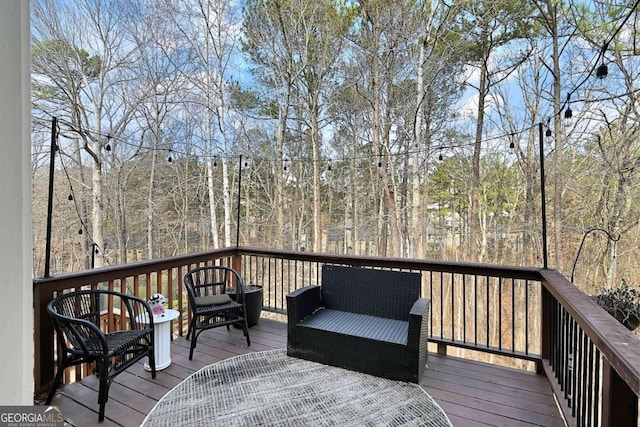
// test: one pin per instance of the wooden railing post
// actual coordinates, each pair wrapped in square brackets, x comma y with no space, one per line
[619,402]
[44,360]
[236,263]
[545,329]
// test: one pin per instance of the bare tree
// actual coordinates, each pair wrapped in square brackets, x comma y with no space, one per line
[268,42]
[490,25]
[85,59]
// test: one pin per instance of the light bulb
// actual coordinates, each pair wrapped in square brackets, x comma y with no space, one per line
[602,71]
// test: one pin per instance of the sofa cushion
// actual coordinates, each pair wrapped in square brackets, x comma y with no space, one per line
[360,325]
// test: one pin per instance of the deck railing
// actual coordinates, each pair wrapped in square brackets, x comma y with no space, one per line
[521,316]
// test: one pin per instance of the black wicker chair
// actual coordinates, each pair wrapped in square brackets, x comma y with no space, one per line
[76,318]
[211,306]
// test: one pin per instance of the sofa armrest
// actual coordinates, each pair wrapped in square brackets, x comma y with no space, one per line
[419,325]
[301,303]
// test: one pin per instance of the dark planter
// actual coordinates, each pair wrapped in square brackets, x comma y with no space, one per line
[631,321]
[253,299]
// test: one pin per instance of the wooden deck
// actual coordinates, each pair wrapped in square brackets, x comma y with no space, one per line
[471,393]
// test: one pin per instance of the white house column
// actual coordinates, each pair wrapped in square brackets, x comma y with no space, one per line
[16,295]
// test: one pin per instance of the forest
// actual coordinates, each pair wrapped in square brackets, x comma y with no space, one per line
[502,132]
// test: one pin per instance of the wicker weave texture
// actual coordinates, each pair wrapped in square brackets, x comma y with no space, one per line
[377,325]
[76,317]
[367,291]
[214,280]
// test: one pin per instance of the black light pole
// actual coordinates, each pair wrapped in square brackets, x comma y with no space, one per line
[54,146]
[94,251]
[239,198]
[544,199]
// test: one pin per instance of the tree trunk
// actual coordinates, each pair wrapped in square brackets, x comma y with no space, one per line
[121,222]
[151,203]
[212,206]
[315,147]
[475,185]
[278,173]
[80,199]
[226,199]
[559,135]
[97,213]
[417,249]
[226,188]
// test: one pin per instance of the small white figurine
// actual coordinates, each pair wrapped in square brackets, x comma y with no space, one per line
[157,304]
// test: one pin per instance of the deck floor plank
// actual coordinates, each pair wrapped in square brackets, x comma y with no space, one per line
[473,394]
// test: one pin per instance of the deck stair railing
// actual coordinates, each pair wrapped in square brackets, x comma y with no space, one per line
[524,317]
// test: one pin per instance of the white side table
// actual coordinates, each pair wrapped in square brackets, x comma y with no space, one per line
[161,338]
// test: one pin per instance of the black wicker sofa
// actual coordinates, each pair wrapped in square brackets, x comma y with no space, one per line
[365,320]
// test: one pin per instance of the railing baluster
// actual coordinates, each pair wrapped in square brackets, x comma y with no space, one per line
[555,328]
[499,331]
[487,309]
[464,308]
[597,395]
[182,305]
[590,384]
[431,299]
[269,261]
[563,350]
[572,373]
[453,307]
[441,306]
[579,383]
[147,286]
[585,376]
[475,310]
[513,315]
[526,316]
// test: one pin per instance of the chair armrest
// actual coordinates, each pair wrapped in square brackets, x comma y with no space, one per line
[138,309]
[301,303]
[80,333]
[419,325]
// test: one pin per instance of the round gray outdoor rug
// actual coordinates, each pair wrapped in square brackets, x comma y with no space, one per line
[271,389]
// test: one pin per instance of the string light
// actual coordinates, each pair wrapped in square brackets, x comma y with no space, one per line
[170,158]
[602,71]
[216,158]
[567,112]
[547,133]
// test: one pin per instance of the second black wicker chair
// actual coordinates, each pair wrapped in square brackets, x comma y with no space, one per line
[211,304]
[77,319]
